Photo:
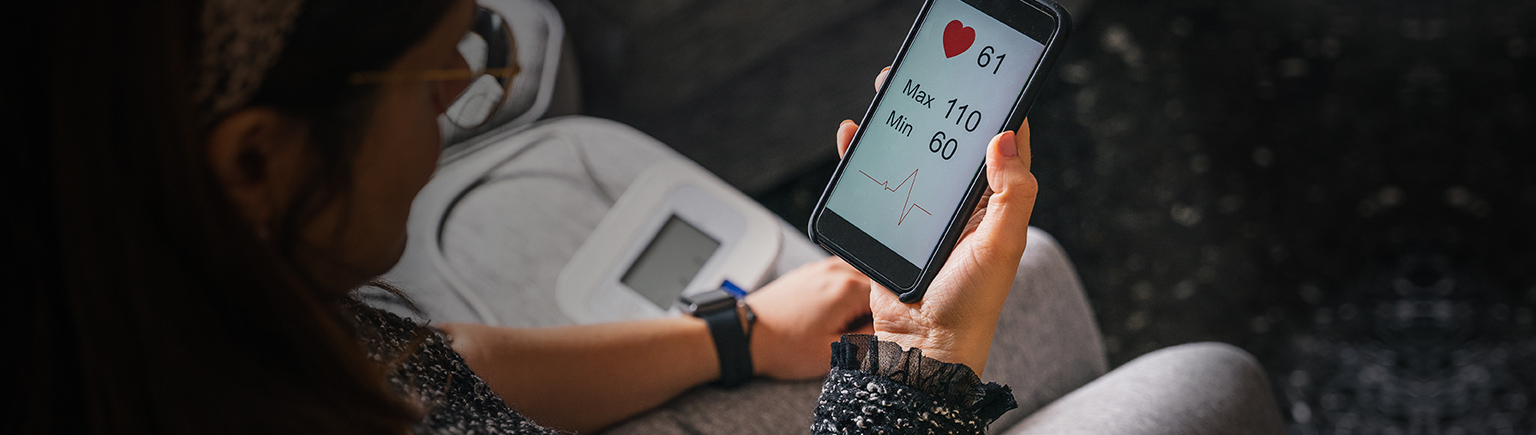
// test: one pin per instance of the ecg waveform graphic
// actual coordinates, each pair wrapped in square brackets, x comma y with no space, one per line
[907,206]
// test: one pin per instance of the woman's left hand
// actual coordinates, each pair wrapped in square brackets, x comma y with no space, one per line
[958,315]
[800,314]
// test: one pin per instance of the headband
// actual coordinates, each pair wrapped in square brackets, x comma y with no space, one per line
[241,41]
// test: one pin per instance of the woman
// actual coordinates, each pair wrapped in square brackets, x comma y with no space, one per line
[200,186]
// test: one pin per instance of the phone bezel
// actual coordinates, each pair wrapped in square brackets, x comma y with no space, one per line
[871,256]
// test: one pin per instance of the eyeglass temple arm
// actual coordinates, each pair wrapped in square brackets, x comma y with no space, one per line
[435,75]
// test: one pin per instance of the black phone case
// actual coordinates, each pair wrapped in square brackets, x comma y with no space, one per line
[952,231]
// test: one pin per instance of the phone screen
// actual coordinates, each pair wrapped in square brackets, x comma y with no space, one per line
[961,77]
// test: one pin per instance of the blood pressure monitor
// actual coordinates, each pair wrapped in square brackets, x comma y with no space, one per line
[676,231]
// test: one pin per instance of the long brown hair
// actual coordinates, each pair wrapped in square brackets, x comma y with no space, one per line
[139,300]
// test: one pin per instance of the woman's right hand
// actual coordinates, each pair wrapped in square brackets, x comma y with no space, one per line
[955,320]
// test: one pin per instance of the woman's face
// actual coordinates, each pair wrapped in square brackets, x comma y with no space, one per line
[363,234]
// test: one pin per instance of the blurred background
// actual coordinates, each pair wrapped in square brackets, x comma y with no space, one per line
[1345,188]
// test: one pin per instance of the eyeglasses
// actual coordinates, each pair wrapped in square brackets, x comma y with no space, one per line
[474,89]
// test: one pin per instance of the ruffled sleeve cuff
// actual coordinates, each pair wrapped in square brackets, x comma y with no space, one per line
[945,382]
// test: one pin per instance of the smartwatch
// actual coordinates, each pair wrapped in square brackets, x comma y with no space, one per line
[718,309]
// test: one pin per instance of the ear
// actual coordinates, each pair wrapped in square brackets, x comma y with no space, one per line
[258,156]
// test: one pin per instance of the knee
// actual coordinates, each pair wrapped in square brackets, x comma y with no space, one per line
[1193,388]
[1045,273]
[1047,305]
[1221,367]
[1042,247]
[1217,385]
[1044,256]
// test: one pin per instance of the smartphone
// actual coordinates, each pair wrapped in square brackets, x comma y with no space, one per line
[905,189]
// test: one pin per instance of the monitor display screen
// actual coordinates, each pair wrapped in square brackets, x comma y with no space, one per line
[670,262]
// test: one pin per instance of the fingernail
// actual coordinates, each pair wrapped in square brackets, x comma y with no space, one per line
[1007,145]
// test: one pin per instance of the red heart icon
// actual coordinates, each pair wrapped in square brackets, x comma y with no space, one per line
[957,38]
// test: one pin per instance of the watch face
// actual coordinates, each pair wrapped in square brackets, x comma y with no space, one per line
[707,302]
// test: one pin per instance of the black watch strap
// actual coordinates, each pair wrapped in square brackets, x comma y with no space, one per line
[731,345]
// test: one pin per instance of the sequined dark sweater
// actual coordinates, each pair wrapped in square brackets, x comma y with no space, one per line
[874,388]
